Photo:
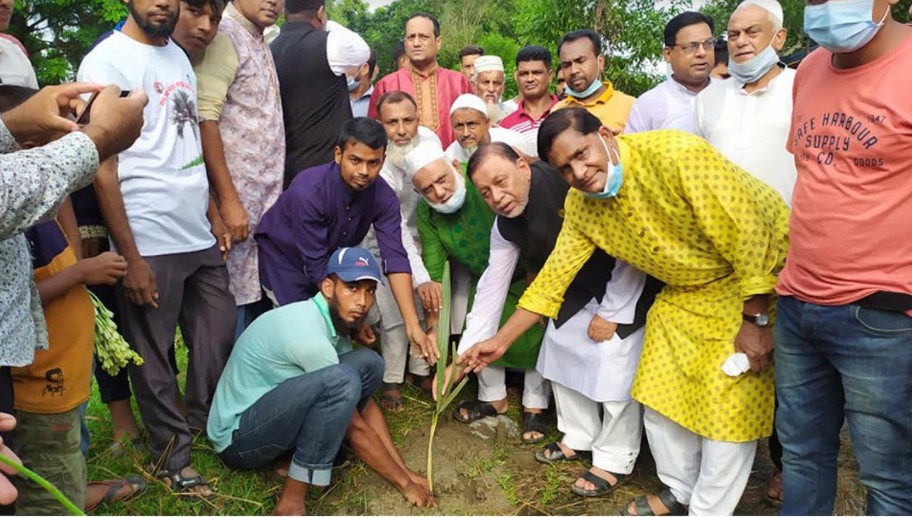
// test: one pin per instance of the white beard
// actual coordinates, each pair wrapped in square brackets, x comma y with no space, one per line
[396,153]
[469,151]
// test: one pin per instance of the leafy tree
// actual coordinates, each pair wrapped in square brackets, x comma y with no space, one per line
[632,32]
[58,33]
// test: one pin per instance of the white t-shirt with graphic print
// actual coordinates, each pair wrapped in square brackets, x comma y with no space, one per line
[162,176]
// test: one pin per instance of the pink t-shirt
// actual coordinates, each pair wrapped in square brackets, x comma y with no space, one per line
[851,222]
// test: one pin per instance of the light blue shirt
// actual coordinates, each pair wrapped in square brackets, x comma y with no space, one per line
[284,343]
[359,106]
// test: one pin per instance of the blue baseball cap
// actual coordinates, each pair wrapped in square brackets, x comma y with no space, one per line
[354,264]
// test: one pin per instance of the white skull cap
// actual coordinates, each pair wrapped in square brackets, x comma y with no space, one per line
[419,157]
[467,100]
[771,6]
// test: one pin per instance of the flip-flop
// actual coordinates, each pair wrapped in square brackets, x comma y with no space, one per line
[475,410]
[113,495]
[602,486]
[556,455]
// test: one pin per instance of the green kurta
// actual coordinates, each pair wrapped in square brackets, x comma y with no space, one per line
[466,238]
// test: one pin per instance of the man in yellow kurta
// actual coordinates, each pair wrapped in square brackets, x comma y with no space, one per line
[670,205]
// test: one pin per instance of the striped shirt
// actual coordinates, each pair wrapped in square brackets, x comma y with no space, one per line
[521,122]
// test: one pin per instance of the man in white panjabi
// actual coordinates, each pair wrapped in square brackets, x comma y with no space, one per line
[398,113]
[747,118]
[590,352]
[473,127]
[488,81]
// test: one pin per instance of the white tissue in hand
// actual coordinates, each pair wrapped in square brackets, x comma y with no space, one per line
[736,364]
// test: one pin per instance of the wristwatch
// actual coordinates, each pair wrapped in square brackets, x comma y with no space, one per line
[761,319]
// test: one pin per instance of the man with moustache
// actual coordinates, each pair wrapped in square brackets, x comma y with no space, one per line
[434,88]
[294,383]
[668,204]
[332,206]
[473,128]
[196,27]
[243,138]
[747,118]
[591,350]
[455,225]
[398,113]
[488,80]
[582,63]
[154,198]
[533,78]
[688,50]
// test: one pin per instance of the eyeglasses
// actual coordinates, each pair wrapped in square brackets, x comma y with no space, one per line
[691,47]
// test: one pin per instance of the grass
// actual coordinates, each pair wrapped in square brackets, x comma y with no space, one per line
[509,468]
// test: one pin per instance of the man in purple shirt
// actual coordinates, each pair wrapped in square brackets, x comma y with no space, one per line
[332,206]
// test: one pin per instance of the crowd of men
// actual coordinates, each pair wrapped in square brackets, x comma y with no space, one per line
[718,261]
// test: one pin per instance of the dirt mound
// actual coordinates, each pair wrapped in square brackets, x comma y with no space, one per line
[466,474]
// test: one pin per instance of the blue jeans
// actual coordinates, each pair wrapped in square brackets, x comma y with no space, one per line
[835,364]
[308,414]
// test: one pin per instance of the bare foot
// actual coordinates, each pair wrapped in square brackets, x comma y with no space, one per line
[774,488]
[391,397]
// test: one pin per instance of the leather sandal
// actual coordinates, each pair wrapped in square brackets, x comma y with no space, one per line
[552,453]
[665,496]
[602,486]
[534,423]
[474,410]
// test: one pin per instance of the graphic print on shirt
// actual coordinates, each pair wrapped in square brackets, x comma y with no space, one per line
[183,113]
[828,137]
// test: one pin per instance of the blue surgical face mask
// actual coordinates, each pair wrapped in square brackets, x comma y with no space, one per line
[452,205]
[843,26]
[353,83]
[754,68]
[613,181]
[584,94]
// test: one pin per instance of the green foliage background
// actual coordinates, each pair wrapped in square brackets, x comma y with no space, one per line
[58,33]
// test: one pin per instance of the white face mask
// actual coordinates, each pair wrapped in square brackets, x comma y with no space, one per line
[456,201]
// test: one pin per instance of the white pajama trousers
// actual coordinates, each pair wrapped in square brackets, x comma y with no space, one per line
[394,345]
[613,436]
[708,475]
[492,386]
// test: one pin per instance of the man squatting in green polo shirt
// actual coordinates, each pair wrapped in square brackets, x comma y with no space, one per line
[294,383]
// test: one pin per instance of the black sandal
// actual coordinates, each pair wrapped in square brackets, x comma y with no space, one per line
[552,453]
[534,423]
[182,485]
[475,410]
[667,499]
[602,486]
